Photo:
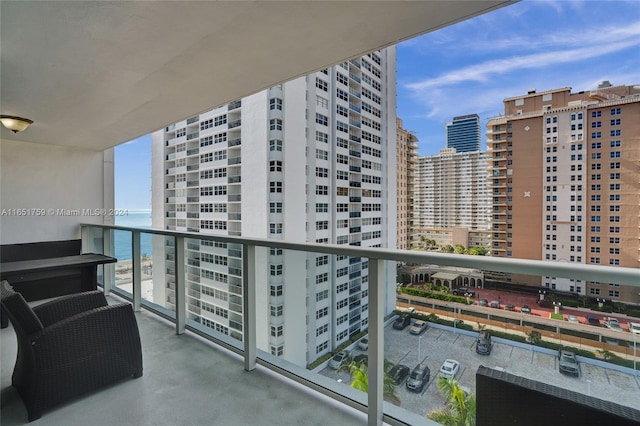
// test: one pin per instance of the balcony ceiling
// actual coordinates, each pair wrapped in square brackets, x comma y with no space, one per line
[96,74]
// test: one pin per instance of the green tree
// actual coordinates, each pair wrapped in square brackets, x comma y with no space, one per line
[477,251]
[461,407]
[447,248]
[360,380]
[459,249]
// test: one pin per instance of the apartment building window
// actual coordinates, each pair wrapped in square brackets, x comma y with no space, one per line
[614,154]
[614,197]
[594,291]
[220,190]
[615,165]
[322,329]
[275,270]
[206,158]
[323,224]
[614,133]
[342,207]
[322,137]
[596,135]
[342,127]
[341,94]
[206,141]
[614,293]
[321,347]
[219,173]
[322,260]
[275,228]
[275,104]
[321,84]
[322,208]
[275,145]
[206,224]
[322,190]
[277,330]
[275,187]
[276,290]
[614,229]
[615,144]
[275,166]
[275,207]
[340,110]
[220,155]
[596,114]
[596,124]
[322,119]
[275,124]
[220,120]
[321,154]
[220,137]
[323,312]
[342,192]
[615,122]
[342,175]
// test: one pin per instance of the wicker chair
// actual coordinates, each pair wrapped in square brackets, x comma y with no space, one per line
[70,346]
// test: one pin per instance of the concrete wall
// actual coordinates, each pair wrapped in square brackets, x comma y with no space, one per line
[47,191]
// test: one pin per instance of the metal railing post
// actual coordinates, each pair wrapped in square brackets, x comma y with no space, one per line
[376,341]
[249,305]
[181,308]
[108,270]
[137,270]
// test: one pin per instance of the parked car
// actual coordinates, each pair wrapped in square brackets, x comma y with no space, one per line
[525,309]
[593,321]
[482,302]
[418,378]
[363,344]
[361,359]
[634,327]
[509,307]
[418,327]
[402,322]
[612,324]
[573,318]
[399,373]
[483,343]
[410,310]
[495,303]
[463,291]
[449,368]
[339,359]
[567,362]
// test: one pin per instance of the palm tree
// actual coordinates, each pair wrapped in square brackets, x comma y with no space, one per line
[461,407]
[360,380]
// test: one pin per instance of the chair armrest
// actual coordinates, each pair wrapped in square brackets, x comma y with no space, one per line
[88,335]
[68,306]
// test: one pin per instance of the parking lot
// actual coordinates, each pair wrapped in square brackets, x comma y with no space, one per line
[438,343]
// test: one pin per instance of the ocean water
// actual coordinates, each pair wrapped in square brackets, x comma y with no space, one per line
[122,239]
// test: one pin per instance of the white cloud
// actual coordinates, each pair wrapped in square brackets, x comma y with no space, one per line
[484,71]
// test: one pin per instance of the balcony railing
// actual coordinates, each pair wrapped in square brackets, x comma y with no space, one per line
[241,333]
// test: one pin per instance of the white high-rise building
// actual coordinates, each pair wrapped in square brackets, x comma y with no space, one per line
[310,160]
[451,190]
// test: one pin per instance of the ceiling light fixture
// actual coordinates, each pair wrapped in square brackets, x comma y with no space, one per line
[15,124]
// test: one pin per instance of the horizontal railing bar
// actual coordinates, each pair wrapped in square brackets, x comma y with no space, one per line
[609,274]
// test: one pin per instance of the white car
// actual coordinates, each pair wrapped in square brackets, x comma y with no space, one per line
[418,327]
[449,368]
[573,318]
[634,327]
[363,344]
[613,324]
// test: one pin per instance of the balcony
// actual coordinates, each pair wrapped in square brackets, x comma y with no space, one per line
[186,381]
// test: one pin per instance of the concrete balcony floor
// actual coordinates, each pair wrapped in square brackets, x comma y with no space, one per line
[186,381]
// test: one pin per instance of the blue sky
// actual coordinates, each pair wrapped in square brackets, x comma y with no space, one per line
[470,67]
